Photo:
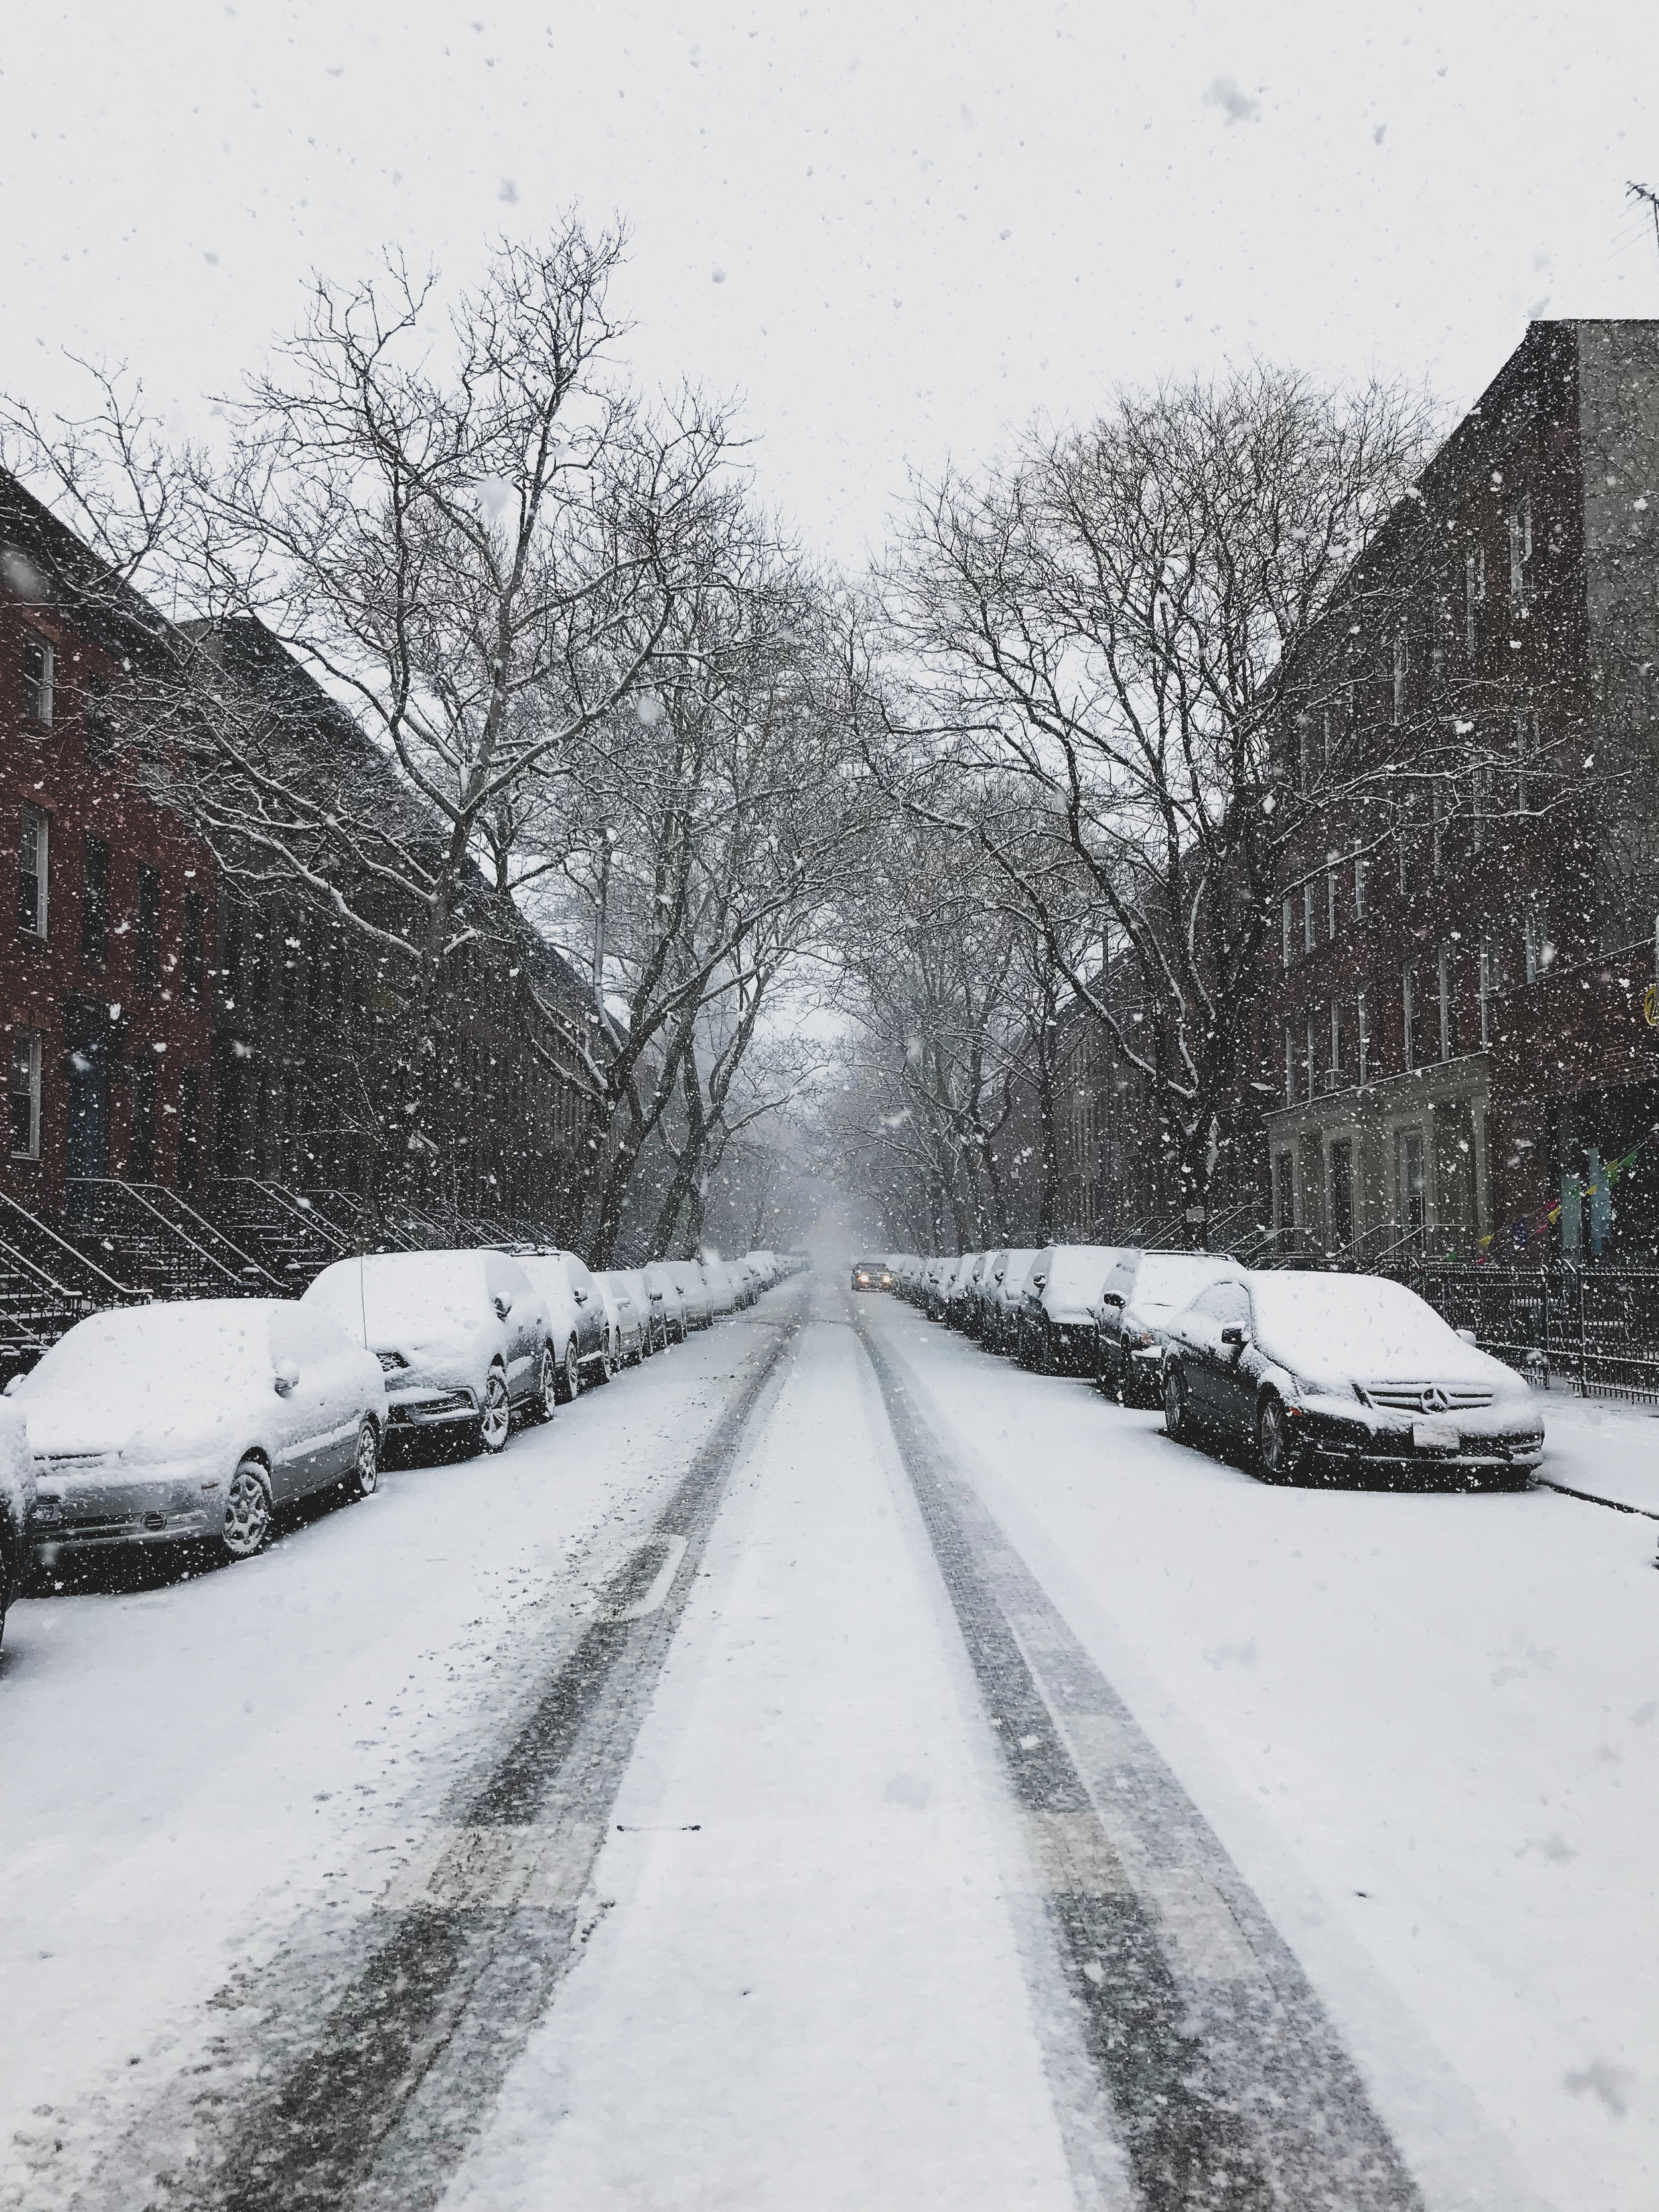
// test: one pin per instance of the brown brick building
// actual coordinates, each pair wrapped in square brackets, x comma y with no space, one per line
[1455,1018]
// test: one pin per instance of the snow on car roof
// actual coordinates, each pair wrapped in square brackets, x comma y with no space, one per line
[1079,1271]
[400,1289]
[169,1348]
[1170,1278]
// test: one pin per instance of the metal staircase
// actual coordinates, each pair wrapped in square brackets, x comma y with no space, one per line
[292,1239]
[46,1285]
[156,1239]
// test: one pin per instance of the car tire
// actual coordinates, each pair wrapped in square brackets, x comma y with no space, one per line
[364,1478]
[495,1414]
[1277,1459]
[1048,1361]
[1177,1411]
[247,1511]
[569,1386]
[547,1385]
[606,1365]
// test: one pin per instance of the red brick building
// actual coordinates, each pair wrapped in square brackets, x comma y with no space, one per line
[104,996]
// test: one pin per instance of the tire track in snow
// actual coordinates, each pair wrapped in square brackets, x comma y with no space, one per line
[357,2078]
[1230,2086]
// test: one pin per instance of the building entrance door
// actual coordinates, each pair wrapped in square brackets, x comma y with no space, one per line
[88,1101]
[1341,1193]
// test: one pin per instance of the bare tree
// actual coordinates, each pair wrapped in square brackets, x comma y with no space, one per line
[1103,623]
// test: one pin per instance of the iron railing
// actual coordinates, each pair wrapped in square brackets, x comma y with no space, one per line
[1592,1326]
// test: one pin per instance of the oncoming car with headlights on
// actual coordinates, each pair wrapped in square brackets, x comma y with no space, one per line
[871,1275]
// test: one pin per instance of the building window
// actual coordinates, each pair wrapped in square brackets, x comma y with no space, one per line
[1448,981]
[1526,756]
[1330,896]
[1303,752]
[1285,933]
[1475,599]
[1402,669]
[1339,1045]
[1309,934]
[1311,1065]
[25,1094]
[141,1145]
[1409,1011]
[39,663]
[1290,1068]
[34,845]
[1531,934]
[1361,869]
[191,969]
[95,899]
[1489,984]
[1520,554]
[1362,1036]
[146,933]
[1285,1189]
[99,722]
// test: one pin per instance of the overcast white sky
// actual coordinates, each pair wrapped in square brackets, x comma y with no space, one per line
[894,230]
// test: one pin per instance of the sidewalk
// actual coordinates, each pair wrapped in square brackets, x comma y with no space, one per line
[1604,1446]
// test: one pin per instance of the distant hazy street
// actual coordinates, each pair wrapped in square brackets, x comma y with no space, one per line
[985,1802]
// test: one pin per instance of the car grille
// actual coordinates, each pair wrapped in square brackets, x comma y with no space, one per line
[1445,1398]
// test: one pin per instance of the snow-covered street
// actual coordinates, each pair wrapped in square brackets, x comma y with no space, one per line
[832,1767]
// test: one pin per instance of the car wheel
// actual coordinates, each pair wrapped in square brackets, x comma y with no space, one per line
[247,1512]
[607,1364]
[1276,1457]
[495,1415]
[568,1387]
[547,1385]
[1047,1357]
[364,1478]
[1177,1420]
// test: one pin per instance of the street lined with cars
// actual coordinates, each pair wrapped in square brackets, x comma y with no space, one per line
[840,1693]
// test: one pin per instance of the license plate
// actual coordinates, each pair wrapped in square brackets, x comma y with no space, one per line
[1437,1436]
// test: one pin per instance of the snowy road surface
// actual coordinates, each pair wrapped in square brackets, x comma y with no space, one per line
[832,1768]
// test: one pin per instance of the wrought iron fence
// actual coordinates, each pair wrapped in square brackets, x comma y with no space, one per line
[1595,1328]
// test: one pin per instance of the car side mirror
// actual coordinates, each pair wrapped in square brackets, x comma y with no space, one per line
[503,1307]
[581,1297]
[1233,1335]
[12,1382]
[1037,1281]
[1468,1335]
[284,1378]
[1110,1298]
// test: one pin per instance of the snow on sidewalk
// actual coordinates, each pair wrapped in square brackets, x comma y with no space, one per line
[803,1989]
[1603,1446]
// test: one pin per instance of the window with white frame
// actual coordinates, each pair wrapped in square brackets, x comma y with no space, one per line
[34,879]
[1303,752]
[1520,520]
[1531,937]
[1284,933]
[1475,598]
[1447,978]
[1310,1064]
[1338,1042]
[38,669]
[1309,934]
[1362,1036]
[1289,1068]
[1489,985]
[25,1094]
[1361,869]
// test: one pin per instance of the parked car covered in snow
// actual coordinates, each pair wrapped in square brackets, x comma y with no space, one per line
[191,1420]
[1339,1377]
[464,1338]
[1140,1293]
[1057,1327]
[979,1290]
[17,1507]
[959,1294]
[699,1307]
[577,1323]
[722,1286]
[626,1320]
[670,1299]
[649,1305]
[1000,1302]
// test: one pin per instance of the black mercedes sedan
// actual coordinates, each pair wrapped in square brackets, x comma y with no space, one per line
[1345,1378]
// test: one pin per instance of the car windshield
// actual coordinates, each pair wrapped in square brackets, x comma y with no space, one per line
[1014,1273]
[1170,1278]
[1355,1325]
[412,1292]
[159,1352]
